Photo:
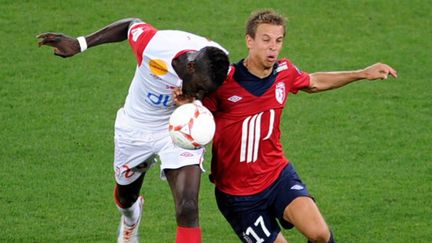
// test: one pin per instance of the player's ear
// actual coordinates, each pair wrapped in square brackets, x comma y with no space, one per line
[248,40]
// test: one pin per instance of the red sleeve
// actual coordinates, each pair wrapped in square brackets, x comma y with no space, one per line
[139,36]
[301,79]
[210,102]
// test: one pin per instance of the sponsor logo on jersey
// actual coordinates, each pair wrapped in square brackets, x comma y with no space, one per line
[280,92]
[251,136]
[282,66]
[156,77]
[297,187]
[158,67]
[186,154]
[234,98]
[158,99]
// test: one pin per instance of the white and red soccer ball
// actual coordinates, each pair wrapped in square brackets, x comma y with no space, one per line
[191,126]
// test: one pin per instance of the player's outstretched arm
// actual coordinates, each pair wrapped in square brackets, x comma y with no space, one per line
[66,46]
[321,81]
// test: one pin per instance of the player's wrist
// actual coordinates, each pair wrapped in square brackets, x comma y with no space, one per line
[360,74]
[82,43]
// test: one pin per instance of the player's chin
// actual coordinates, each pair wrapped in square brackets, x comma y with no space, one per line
[271,60]
[269,65]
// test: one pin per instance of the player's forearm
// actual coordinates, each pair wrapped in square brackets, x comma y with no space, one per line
[114,32]
[322,81]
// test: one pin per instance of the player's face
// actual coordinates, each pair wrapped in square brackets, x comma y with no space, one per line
[266,45]
[198,79]
[198,82]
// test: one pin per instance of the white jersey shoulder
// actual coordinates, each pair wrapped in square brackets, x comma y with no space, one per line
[149,100]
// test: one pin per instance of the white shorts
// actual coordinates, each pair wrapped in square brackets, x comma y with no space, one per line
[136,150]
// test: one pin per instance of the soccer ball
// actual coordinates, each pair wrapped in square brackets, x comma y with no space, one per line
[191,126]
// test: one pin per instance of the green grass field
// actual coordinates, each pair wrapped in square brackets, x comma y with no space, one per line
[365,151]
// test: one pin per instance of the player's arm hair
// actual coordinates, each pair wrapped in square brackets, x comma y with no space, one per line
[322,81]
[115,32]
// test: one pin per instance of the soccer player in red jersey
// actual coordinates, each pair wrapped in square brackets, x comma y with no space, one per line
[256,185]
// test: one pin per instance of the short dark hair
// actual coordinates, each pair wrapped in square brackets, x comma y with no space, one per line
[218,64]
[210,71]
[264,16]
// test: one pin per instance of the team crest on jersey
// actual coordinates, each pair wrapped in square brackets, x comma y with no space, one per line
[280,92]
[158,67]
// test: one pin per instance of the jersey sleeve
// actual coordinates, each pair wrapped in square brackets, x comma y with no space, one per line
[139,35]
[210,102]
[301,79]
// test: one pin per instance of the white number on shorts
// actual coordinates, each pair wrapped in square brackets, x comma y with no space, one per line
[250,231]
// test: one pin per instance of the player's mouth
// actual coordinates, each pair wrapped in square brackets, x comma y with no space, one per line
[271,58]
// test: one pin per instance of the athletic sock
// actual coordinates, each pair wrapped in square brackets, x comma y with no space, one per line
[331,240]
[188,235]
[130,214]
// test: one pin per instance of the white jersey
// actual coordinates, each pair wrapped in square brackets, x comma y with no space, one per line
[149,101]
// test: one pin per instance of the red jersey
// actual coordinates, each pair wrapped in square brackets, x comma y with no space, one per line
[247,154]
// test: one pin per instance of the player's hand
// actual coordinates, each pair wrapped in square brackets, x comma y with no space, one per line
[179,98]
[64,46]
[379,71]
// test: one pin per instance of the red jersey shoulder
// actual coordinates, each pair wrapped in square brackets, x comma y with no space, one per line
[228,82]
[139,35]
[230,76]
[230,85]
[289,72]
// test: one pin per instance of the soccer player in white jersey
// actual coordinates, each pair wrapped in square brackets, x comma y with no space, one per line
[173,67]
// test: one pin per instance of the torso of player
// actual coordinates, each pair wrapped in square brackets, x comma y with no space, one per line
[149,101]
[247,151]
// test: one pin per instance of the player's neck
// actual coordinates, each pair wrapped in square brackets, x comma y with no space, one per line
[256,68]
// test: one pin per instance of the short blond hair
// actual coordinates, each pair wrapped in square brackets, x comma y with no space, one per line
[264,16]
